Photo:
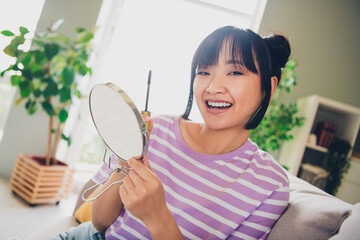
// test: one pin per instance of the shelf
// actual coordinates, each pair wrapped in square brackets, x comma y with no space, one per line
[317,148]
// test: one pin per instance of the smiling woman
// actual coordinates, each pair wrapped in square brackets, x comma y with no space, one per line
[161,35]
[212,169]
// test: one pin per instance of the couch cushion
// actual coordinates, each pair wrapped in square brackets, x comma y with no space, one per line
[349,229]
[311,214]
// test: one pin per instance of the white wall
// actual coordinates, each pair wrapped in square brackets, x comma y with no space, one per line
[28,134]
[325,41]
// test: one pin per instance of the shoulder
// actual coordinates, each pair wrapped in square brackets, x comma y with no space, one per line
[165,119]
[164,126]
[269,166]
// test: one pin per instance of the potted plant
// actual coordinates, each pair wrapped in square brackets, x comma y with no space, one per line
[280,119]
[337,162]
[46,77]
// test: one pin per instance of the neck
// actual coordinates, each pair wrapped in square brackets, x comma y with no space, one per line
[204,140]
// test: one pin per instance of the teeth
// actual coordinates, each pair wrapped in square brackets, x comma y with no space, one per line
[218,104]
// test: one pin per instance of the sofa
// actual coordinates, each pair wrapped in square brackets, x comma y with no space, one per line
[311,214]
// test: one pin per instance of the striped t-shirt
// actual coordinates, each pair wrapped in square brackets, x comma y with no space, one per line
[237,195]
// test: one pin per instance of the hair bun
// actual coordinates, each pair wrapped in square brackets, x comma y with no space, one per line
[279,49]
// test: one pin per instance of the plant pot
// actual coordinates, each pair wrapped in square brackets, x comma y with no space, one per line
[37,183]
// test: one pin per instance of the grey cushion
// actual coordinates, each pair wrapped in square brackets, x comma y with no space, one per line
[349,230]
[311,214]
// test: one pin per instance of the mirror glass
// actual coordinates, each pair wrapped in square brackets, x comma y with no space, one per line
[118,121]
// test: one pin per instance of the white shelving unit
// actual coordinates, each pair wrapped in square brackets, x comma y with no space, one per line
[316,108]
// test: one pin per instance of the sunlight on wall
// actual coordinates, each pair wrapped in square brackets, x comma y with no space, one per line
[14,13]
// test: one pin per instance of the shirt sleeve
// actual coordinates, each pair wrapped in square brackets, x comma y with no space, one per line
[260,222]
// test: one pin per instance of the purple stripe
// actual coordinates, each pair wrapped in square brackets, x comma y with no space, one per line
[192,211]
[199,199]
[130,223]
[263,221]
[236,186]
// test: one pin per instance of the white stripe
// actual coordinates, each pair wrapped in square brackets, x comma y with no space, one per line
[201,208]
[131,230]
[164,129]
[266,167]
[266,214]
[255,226]
[251,171]
[166,119]
[276,202]
[196,222]
[199,193]
[189,234]
[213,171]
[117,236]
[243,236]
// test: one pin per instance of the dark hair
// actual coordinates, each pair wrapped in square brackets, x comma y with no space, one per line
[270,54]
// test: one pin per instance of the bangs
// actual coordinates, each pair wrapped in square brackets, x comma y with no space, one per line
[238,46]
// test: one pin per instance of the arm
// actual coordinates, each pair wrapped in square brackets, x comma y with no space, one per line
[107,208]
[263,218]
[143,195]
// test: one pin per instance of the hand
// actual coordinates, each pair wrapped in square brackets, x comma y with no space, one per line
[142,193]
[148,121]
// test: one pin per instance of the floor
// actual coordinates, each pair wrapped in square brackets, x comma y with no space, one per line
[18,220]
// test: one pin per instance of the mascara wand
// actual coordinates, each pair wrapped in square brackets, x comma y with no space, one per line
[146,112]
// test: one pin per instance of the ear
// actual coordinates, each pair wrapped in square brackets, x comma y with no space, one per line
[274,83]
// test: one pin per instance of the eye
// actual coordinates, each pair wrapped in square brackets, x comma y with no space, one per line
[236,73]
[202,73]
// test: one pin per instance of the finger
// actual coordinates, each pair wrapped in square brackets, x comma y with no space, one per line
[136,179]
[140,169]
[128,184]
[123,193]
[147,163]
[151,124]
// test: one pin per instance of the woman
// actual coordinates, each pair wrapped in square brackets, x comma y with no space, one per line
[206,180]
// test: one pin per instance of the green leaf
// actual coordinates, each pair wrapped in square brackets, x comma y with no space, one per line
[83,69]
[31,106]
[10,50]
[7,33]
[26,60]
[84,37]
[67,139]
[55,37]
[63,115]
[15,80]
[48,108]
[77,93]
[65,94]
[23,30]
[24,89]
[39,56]
[56,26]
[68,76]
[51,88]
[51,50]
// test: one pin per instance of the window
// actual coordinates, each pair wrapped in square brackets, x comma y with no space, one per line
[161,35]
[15,13]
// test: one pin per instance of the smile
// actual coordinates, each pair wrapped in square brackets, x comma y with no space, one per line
[218,105]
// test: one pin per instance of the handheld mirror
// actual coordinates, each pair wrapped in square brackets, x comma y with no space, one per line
[119,125]
[118,121]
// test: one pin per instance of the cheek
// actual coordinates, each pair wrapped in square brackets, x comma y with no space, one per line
[198,88]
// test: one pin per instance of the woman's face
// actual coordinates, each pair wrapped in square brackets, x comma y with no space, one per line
[227,94]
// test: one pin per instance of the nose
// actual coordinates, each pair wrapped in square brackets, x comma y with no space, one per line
[216,86]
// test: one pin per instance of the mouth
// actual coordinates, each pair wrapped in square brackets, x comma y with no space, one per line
[218,104]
